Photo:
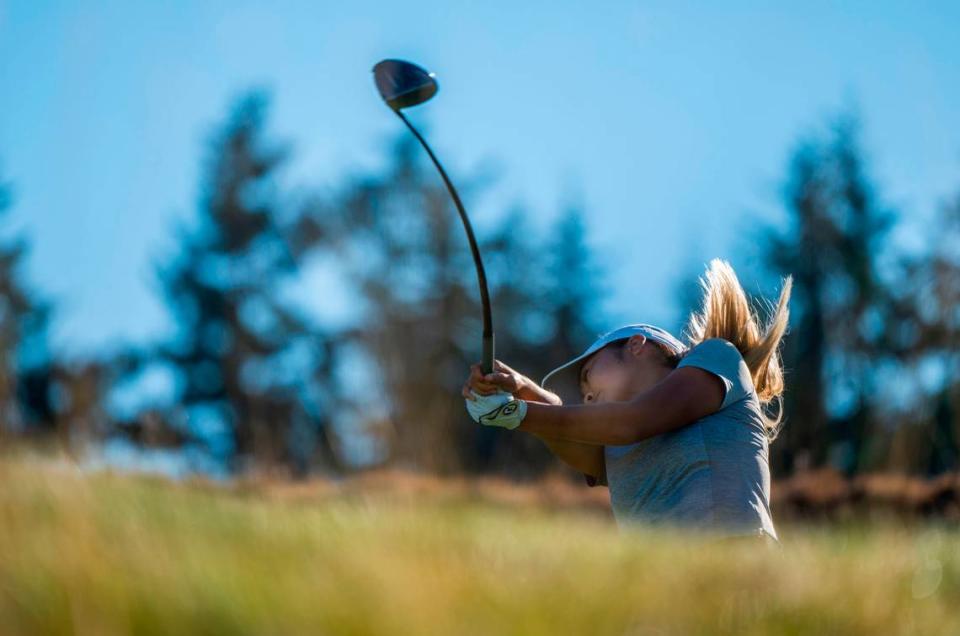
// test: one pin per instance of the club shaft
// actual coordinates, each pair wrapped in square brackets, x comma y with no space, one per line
[488,339]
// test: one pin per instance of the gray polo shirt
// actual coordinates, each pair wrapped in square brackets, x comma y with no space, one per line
[712,474]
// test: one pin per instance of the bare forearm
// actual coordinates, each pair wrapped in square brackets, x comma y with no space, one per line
[684,396]
[532,392]
[612,423]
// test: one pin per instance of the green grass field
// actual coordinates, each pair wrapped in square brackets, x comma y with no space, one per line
[117,554]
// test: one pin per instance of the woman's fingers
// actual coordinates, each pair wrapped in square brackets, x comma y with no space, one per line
[506,377]
[503,380]
[478,382]
[466,389]
[466,392]
[500,366]
[477,375]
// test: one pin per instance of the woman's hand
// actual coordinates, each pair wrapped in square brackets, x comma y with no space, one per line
[503,378]
[499,409]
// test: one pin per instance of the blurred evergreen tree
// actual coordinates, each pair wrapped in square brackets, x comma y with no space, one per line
[26,367]
[402,249]
[923,333]
[575,292]
[255,374]
[833,246]
[943,335]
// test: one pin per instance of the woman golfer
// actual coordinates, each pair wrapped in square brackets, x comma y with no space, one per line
[679,433]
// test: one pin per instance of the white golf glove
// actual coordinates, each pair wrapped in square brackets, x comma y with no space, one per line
[497,409]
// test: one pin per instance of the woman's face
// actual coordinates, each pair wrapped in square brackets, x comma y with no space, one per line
[618,374]
[606,376]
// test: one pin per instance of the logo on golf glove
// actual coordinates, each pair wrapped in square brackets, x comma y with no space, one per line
[498,409]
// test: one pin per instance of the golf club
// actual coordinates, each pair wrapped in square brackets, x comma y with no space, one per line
[401,85]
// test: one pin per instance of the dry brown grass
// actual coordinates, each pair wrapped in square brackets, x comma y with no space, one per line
[387,553]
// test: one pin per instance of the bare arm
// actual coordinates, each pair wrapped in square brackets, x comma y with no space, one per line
[532,392]
[684,396]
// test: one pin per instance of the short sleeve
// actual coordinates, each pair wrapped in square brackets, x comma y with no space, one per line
[721,358]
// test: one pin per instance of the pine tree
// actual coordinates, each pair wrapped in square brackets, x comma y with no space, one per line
[575,289]
[254,370]
[401,247]
[923,333]
[832,248]
[25,362]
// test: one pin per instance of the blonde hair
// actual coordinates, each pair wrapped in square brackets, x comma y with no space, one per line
[726,313]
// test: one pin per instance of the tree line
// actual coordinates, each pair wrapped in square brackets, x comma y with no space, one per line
[259,380]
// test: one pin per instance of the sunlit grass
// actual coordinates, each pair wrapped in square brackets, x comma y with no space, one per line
[112,554]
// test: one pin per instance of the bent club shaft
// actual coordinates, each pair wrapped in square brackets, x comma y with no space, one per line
[488,340]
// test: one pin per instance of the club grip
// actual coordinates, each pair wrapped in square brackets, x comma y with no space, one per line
[488,354]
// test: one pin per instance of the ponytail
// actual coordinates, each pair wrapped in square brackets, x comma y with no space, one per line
[726,313]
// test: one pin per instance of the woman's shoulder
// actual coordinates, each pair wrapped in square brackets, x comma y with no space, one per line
[720,348]
[722,358]
[715,343]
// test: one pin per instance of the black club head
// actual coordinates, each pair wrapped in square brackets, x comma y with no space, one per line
[403,84]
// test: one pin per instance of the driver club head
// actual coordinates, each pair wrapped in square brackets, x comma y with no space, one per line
[403,84]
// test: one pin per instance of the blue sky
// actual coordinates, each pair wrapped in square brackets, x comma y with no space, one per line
[670,122]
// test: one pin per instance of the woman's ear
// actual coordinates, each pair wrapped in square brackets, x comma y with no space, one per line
[635,344]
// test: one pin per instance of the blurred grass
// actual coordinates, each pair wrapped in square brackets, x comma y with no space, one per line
[119,554]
